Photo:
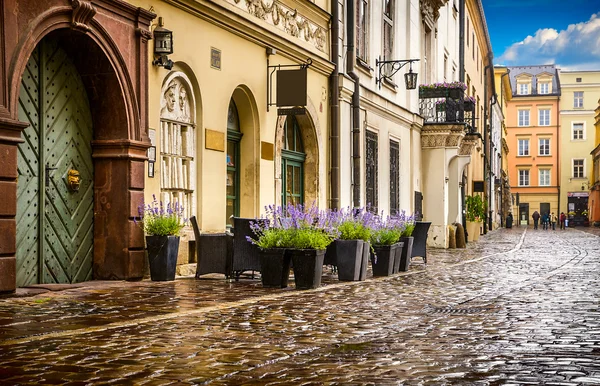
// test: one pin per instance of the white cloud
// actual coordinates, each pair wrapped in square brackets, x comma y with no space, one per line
[576,48]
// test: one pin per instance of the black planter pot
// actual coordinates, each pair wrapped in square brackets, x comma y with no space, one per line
[383,261]
[162,255]
[331,255]
[274,267]
[406,253]
[308,267]
[397,256]
[349,256]
[364,264]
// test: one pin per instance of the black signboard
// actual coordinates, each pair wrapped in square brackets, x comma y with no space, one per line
[478,186]
[291,87]
[292,111]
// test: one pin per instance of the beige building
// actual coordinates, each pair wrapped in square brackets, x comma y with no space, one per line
[504,95]
[222,148]
[580,96]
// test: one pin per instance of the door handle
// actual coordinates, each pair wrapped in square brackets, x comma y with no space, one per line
[48,170]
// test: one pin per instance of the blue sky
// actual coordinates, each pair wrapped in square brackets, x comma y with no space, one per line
[526,32]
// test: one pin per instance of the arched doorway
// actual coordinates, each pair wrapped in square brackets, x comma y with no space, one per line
[55,189]
[292,163]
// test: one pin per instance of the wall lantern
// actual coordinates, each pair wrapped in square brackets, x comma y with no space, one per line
[163,46]
[393,67]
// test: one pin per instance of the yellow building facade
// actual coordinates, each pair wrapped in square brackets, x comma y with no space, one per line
[222,150]
[579,100]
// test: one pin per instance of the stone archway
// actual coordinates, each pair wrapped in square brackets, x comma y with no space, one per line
[114,74]
[312,143]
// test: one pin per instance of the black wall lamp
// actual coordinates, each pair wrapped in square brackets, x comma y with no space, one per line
[163,46]
[394,66]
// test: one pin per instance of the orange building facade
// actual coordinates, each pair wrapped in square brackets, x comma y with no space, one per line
[533,128]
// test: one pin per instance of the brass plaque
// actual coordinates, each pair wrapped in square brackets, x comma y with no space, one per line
[266,151]
[215,140]
[215,58]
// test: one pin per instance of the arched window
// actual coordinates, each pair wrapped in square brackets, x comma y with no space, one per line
[234,136]
[178,144]
[292,158]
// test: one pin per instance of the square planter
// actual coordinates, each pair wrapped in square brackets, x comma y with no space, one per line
[162,256]
[274,267]
[349,257]
[383,260]
[407,244]
[308,267]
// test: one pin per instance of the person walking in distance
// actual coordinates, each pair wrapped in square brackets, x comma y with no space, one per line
[536,219]
[553,220]
[563,217]
[545,221]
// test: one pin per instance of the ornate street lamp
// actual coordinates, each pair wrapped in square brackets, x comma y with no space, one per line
[394,66]
[163,46]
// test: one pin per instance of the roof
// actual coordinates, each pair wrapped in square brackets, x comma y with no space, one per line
[534,71]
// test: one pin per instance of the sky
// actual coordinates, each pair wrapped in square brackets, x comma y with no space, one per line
[530,32]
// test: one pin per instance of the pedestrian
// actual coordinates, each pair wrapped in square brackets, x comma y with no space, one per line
[536,219]
[509,220]
[545,221]
[553,219]
[563,217]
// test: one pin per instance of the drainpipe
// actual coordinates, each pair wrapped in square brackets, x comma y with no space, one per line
[461,78]
[350,61]
[335,109]
[487,136]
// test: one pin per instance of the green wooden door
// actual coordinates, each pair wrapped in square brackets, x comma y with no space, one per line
[54,222]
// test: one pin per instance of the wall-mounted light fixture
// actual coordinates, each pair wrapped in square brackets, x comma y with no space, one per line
[394,66]
[163,46]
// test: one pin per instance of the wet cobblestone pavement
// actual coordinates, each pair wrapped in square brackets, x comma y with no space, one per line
[518,307]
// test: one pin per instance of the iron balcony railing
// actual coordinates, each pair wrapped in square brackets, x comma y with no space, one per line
[447,106]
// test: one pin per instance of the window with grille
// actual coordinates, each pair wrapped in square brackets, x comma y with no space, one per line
[544,146]
[388,32]
[578,131]
[544,117]
[544,177]
[524,177]
[544,88]
[371,171]
[394,177]
[523,147]
[362,30]
[523,117]
[578,168]
[578,99]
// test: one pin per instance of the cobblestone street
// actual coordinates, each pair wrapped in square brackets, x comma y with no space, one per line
[521,306]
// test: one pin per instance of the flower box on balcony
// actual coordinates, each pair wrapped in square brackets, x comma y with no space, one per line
[469,105]
[442,90]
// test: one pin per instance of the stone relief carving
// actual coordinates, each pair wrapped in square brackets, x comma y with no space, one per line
[174,102]
[288,20]
[83,12]
[430,9]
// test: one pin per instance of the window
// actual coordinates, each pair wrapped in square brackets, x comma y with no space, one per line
[234,136]
[371,178]
[523,117]
[544,88]
[362,33]
[468,31]
[292,163]
[544,146]
[578,80]
[394,177]
[523,88]
[544,177]
[523,177]
[578,168]
[523,147]
[177,145]
[388,32]
[578,99]
[445,67]
[544,117]
[577,131]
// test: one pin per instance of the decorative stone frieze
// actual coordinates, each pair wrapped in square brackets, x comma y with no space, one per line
[467,144]
[286,19]
[430,10]
[83,12]
[442,136]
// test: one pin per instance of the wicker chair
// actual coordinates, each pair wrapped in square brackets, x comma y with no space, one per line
[213,251]
[419,248]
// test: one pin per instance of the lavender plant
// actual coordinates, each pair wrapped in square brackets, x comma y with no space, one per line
[354,224]
[294,226]
[385,231]
[157,219]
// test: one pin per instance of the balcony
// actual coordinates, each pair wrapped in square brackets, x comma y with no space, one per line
[447,105]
